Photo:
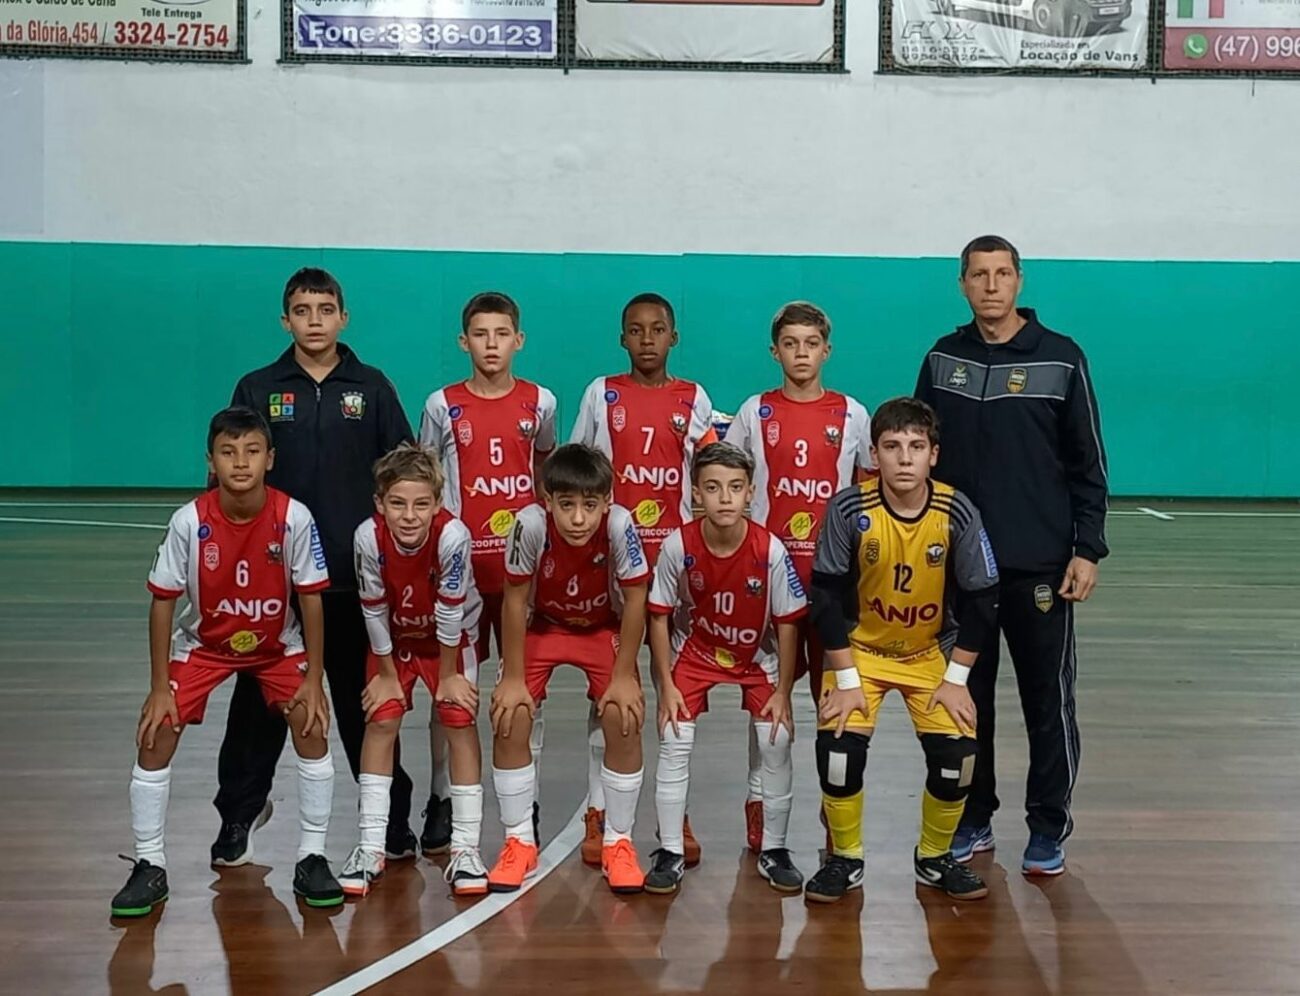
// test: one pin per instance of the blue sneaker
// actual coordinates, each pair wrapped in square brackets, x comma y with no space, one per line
[969,841]
[1043,856]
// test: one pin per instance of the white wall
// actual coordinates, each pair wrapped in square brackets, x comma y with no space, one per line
[653,162]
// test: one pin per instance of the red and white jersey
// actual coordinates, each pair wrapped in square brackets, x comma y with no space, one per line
[725,609]
[804,452]
[238,576]
[421,598]
[650,435]
[487,447]
[576,586]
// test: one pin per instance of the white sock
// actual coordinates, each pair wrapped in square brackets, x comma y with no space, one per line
[621,793]
[515,793]
[149,792]
[535,737]
[315,800]
[778,780]
[374,810]
[467,815]
[440,783]
[672,782]
[595,760]
[755,765]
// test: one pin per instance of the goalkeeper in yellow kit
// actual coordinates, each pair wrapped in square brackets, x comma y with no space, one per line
[903,584]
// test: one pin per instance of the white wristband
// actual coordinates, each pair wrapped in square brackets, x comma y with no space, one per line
[956,674]
[847,679]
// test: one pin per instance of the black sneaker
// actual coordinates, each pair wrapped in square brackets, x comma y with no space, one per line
[836,877]
[781,874]
[400,843]
[436,836]
[313,880]
[666,871]
[947,873]
[234,844]
[145,889]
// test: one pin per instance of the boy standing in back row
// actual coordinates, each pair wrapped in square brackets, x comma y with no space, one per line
[650,425]
[492,433]
[807,443]
[331,418]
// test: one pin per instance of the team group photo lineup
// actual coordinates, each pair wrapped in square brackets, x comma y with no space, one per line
[344,561]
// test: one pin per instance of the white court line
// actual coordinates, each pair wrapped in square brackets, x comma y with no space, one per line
[561,846]
[87,504]
[1163,516]
[84,522]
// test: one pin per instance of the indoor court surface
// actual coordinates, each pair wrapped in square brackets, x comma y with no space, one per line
[1182,876]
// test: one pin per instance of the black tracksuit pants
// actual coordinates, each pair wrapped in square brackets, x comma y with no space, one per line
[1039,629]
[255,735]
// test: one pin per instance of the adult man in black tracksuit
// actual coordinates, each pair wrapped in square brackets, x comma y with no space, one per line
[1022,438]
[331,417]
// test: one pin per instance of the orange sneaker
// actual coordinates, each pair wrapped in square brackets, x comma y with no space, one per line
[518,860]
[622,869]
[594,842]
[754,824]
[689,844]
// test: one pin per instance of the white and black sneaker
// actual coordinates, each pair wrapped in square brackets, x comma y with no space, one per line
[666,872]
[360,871]
[234,844]
[836,877]
[466,873]
[947,873]
[776,867]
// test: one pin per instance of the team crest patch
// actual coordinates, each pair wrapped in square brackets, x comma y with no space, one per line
[753,585]
[548,568]
[279,407]
[274,553]
[1043,598]
[959,376]
[1017,379]
[773,433]
[833,435]
[464,432]
[618,418]
[527,428]
[353,404]
[678,421]
[873,551]
[211,556]
[697,580]
[934,554]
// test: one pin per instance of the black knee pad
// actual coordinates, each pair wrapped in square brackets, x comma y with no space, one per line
[841,762]
[949,765]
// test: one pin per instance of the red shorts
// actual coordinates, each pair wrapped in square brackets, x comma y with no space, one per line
[193,680]
[694,680]
[412,666]
[489,623]
[547,646]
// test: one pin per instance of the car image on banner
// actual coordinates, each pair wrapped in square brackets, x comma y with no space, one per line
[1088,35]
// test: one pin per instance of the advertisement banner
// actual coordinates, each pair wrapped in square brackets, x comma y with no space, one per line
[1087,35]
[1215,35]
[151,29]
[767,32]
[425,29]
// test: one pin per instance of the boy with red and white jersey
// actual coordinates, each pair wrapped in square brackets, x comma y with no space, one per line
[237,553]
[492,433]
[807,444]
[650,425]
[730,593]
[577,564]
[422,610]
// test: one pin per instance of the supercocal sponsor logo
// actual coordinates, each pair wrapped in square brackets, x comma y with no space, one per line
[252,609]
[795,487]
[510,487]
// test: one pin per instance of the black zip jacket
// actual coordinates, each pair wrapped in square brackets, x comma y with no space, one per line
[1020,434]
[327,437]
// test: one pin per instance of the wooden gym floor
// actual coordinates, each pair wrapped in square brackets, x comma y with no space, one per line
[1182,878]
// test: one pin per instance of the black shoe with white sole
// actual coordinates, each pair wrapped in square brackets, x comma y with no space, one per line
[779,871]
[666,872]
[234,844]
[947,873]
[836,877]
